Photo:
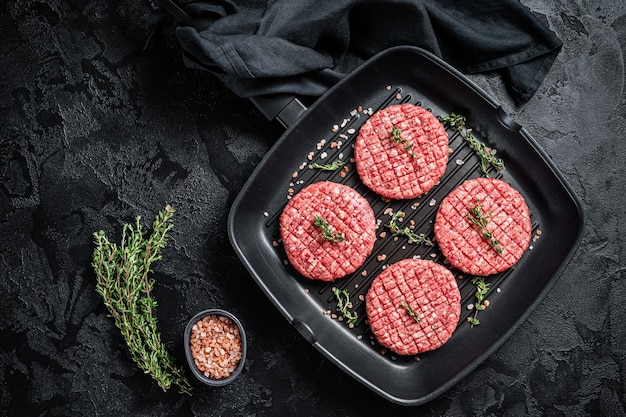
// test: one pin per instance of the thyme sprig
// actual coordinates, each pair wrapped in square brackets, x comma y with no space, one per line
[421,238]
[479,219]
[410,312]
[397,138]
[485,154]
[333,166]
[326,232]
[344,304]
[482,288]
[122,274]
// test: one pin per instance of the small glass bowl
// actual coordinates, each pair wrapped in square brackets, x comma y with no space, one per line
[190,359]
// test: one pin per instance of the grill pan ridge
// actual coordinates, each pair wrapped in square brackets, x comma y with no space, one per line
[401,75]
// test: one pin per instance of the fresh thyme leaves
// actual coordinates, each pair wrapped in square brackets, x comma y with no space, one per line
[397,135]
[476,217]
[123,282]
[482,288]
[406,231]
[328,167]
[397,138]
[455,121]
[485,154]
[410,312]
[344,304]
[326,232]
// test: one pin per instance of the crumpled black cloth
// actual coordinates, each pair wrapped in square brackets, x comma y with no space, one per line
[303,48]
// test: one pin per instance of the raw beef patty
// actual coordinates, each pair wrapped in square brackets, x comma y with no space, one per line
[431,294]
[508,221]
[407,164]
[346,212]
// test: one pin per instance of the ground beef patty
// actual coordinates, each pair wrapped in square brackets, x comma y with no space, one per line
[465,245]
[346,212]
[407,165]
[413,288]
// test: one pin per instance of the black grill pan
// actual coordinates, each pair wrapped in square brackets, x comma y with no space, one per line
[403,74]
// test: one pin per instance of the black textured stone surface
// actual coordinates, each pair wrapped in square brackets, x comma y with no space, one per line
[95,130]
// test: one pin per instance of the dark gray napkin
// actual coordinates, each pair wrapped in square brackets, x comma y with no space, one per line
[302,48]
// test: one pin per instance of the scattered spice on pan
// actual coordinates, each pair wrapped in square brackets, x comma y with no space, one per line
[410,312]
[406,231]
[333,166]
[486,154]
[326,232]
[482,288]
[216,346]
[479,219]
[123,281]
[344,304]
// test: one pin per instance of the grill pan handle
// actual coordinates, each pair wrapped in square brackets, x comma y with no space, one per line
[282,107]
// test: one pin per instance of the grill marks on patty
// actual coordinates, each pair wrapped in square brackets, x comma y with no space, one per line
[430,290]
[463,244]
[387,166]
[346,211]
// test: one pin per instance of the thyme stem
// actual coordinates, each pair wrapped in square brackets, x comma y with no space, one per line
[421,238]
[479,219]
[124,285]
[326,232]
[482,288]
[397,138]
[343,305]
[410,312]
[333,166]
[485,154]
